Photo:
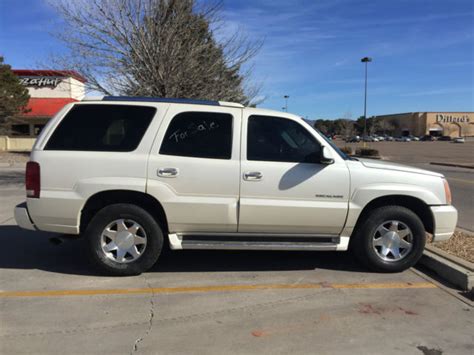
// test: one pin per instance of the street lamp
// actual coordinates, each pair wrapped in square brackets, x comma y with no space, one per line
[286,97]
[365,60]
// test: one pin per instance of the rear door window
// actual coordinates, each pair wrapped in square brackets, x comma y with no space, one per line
[102,128]
[199,135]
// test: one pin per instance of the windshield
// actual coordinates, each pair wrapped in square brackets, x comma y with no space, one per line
[336,148]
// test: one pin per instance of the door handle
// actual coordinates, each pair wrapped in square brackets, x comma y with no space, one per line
[253,176]
[168,172]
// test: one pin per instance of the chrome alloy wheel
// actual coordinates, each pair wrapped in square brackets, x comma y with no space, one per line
[392,241]
[123,241]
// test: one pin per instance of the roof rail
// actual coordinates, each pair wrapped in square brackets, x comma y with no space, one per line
[160,99]
[92,98]
[230,104]
[170,100]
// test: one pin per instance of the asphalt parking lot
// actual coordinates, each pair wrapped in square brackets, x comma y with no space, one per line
[52,302]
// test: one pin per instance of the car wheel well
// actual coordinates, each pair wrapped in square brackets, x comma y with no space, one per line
[420,208]
[105,198]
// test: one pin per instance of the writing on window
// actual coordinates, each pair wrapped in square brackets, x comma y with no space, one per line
[199,135]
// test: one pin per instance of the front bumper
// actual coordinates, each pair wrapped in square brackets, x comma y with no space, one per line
[22,217]
[445,220]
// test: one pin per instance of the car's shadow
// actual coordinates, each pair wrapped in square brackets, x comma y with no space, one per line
[22,249]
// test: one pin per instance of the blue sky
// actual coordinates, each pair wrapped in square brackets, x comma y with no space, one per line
[423,51]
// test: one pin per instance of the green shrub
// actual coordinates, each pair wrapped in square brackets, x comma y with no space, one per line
[367,152]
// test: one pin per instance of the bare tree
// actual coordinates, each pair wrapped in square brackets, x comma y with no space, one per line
[347,127]
[164,48]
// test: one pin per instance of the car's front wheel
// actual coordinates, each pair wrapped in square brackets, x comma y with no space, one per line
[123,240]
[390,239]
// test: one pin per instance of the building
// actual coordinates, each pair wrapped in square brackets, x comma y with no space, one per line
[454,124]
[49,91]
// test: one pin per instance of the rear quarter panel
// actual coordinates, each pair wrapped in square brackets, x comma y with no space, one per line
[70,178]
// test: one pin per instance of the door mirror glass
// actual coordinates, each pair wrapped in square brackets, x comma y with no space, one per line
[326,156]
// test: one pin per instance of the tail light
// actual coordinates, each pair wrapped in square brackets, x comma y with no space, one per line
[32,180]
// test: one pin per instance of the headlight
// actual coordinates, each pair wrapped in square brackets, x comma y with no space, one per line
[447,192]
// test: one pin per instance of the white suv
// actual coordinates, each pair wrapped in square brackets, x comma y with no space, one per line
[136,175]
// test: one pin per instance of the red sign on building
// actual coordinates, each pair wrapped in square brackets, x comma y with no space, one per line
[50,91]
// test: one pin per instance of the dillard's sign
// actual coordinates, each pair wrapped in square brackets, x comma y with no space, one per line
[452,119]
[40,81]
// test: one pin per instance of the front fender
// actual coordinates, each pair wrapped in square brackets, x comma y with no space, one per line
[362,196]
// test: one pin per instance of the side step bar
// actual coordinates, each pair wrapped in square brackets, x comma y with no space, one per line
[257,242]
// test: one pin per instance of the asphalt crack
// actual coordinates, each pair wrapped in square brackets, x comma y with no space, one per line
[182,318]
[7,220]
[150,318]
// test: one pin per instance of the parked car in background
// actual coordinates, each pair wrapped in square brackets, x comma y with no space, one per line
[389,138]
[428,138]
[459,140]
[135,175]
[414,138]
[369,139]
[445,138]
[355,139]
[403,139]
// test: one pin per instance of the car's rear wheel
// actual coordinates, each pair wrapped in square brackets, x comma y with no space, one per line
[123,240]
[390,239]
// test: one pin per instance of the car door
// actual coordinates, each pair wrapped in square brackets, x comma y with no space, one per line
[284,187]
[194,168]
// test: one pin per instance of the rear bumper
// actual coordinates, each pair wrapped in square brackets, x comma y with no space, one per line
[445,218]
[22,217]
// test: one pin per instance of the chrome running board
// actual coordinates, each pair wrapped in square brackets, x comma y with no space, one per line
[249,241]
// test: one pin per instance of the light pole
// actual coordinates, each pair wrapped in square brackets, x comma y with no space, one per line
[286,97]
[365,60]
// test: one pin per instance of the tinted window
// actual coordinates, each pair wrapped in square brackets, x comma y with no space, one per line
[102,128]
[199,135]
[280,139]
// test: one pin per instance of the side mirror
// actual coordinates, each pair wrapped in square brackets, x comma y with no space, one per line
[326,156]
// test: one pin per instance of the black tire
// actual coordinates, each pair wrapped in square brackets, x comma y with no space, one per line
[363,248]
[103,218]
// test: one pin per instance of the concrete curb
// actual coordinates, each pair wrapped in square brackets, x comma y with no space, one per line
[377,157]
[451,268]
[453,165]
